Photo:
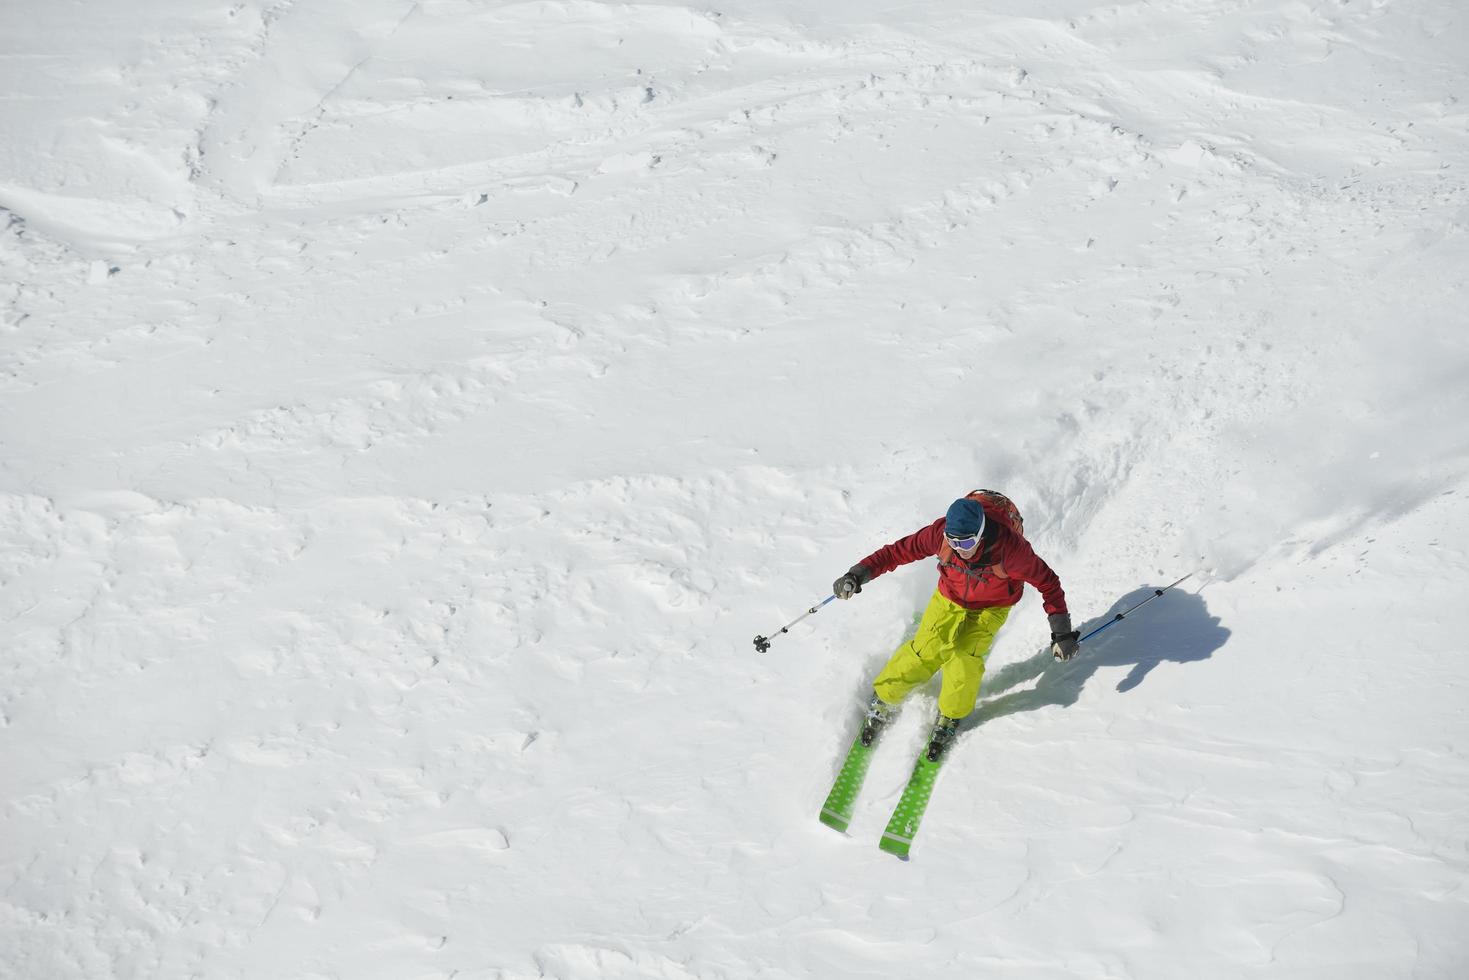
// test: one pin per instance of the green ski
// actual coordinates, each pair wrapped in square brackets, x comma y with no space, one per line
[836,812]
[898,837]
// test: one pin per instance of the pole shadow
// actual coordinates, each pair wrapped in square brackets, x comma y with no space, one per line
[1174,628]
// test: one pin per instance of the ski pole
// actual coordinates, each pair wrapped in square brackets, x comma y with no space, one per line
[762,643]
[1123,615]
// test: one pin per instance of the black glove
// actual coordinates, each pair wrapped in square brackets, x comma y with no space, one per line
[851,583]
[1063,637]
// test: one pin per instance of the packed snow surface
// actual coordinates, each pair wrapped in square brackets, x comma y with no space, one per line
[413,408]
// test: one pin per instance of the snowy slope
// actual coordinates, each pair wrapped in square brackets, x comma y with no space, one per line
[411,410]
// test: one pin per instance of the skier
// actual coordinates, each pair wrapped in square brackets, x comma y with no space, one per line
[983,561]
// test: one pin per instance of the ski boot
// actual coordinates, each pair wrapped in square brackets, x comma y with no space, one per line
[944,731]
[879,713]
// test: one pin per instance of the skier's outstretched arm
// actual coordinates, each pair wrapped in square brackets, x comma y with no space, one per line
[923,543]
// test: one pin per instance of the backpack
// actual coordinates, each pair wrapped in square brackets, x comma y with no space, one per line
[996,505]
[995,501]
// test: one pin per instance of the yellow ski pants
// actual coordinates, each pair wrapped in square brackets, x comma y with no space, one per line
[949,638]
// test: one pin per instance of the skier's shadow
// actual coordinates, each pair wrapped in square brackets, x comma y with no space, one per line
[1174,628]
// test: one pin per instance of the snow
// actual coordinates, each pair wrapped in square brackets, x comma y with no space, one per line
[412,410]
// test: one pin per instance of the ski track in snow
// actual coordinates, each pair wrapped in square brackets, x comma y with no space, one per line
[412,409]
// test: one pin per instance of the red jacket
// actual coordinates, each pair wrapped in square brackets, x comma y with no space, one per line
[992,578]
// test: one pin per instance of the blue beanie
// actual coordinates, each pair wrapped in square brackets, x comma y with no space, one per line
[965,517]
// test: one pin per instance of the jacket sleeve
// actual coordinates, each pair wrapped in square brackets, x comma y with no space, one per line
[1023,563]
[920,544]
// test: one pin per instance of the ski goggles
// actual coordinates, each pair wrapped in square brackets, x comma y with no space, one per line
[968,543]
